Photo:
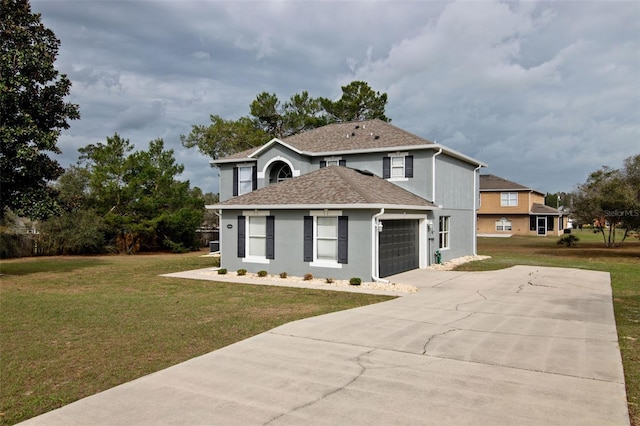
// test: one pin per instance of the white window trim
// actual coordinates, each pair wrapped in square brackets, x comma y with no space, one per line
[509,199]
[447,232]
[335,161]
[404,170]
[504,221]
[263,173]
[323,263]
[253,259]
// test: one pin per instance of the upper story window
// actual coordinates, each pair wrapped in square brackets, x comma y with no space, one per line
[398,166]
[279,171]
[508,199]
[245,179]
[332,161]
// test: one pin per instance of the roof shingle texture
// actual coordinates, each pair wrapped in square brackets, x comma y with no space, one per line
[349,136]
[333,185]
[538,208]
[493,182]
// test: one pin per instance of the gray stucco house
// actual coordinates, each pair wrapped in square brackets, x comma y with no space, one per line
[359,199]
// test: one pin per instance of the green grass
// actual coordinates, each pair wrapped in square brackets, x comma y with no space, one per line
[74,326]
[623,263]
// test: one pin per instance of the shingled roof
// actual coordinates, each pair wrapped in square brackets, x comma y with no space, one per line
[342,137]
[496,183]
[537,208]
[330,187]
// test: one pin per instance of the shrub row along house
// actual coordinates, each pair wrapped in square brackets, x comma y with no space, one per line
[508,208]
[359,199]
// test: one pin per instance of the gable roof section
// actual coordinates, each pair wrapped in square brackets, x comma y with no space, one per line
[350,137]
[496,183]
[330,187]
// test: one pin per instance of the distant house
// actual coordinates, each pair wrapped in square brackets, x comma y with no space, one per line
[508,208]
[360,199]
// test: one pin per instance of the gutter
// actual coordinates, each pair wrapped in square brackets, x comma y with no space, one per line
[375,258]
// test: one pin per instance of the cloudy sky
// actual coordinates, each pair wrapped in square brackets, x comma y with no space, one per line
[544,92]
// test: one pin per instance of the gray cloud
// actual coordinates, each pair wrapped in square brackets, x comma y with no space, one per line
[545,92]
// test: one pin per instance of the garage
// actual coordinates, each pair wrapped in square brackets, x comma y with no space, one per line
[398,246]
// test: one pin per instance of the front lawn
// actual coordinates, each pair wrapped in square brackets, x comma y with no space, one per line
[623,263]
[74,326]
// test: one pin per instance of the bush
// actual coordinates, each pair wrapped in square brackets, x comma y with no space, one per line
[355,281]
[308,277]
[283,275]
[568,240]
[262,273]
[242,272]
[222,271]
[329,280]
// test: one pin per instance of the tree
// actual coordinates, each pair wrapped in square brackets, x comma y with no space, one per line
[143,204]
[269,118]
[610,199]
[32,111]
[358,102]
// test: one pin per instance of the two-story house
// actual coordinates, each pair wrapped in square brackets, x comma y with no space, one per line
[359,199]
[508,208]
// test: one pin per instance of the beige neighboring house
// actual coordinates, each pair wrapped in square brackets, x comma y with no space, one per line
[508,208]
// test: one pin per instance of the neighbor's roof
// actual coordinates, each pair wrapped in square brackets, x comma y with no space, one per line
[354,136]
[537,208]
[330,187]
[496,183]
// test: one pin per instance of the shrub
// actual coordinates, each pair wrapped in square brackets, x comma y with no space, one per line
[568,240]
[329,280]
[308,277]
[283,275]
[262,273]
[242,272]
[222,271]
[355,281]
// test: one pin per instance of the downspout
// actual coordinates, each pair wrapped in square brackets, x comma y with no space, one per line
[475,212]
[433,176]
[375,258]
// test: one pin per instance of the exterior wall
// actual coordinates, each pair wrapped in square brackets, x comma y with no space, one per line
[289,246]
[491,203]
[461,236]
[454,183]
[519,225]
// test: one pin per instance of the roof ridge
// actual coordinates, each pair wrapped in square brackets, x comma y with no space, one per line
[352,183]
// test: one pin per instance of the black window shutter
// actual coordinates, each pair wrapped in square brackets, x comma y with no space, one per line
[323,164]
[308,239]
[386,167]
[254,178]
[235,181]
[532,223]
[241,236]
[342,163]
[271,254]
[408,166]
[343,239]
[550,220]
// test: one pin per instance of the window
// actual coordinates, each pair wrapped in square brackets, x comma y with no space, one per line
[326,239]
[256,237]
[397,166]
[245,179]
[503,224]
[279,172]
[443,232]
[508,199]
[333,161]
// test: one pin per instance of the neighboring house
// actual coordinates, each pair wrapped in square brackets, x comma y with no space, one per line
[360,199]
[508,208]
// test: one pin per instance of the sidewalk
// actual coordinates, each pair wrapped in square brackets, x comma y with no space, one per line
[525,345]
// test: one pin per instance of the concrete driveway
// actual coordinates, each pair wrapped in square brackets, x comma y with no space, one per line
[525,346]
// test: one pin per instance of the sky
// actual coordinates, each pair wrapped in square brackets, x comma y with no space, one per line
[543,92]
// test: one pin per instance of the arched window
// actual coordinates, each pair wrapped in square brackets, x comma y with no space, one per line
[279,171]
